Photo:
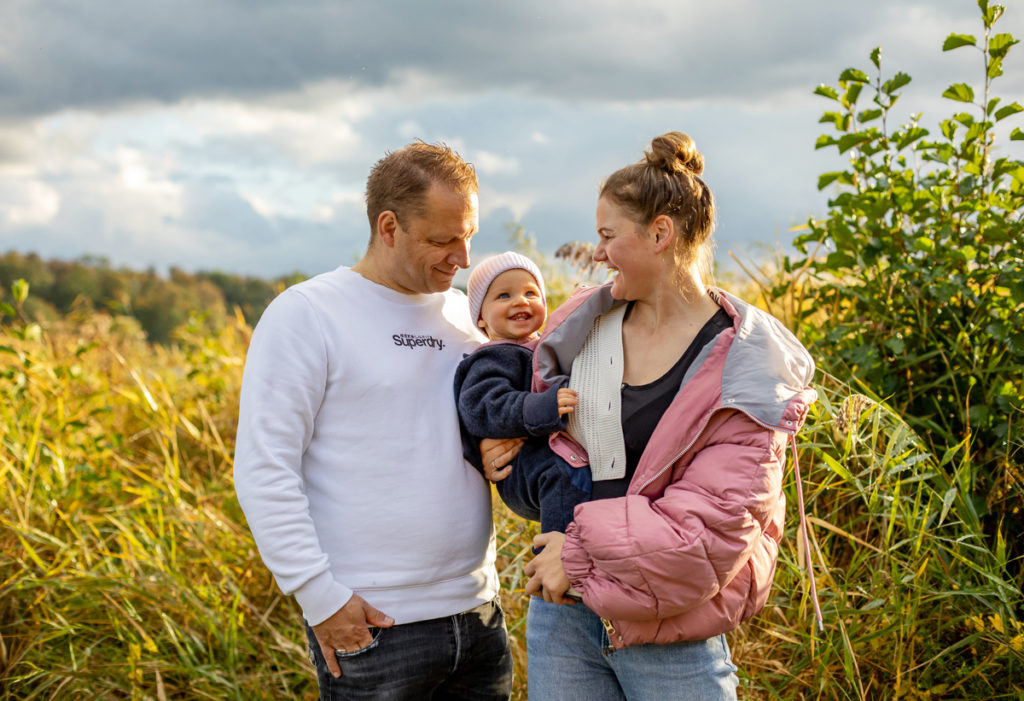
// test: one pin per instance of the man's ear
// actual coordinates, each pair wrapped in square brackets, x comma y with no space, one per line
[663,229]
[387,225]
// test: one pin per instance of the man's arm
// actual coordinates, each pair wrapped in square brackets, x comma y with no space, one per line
[282,388]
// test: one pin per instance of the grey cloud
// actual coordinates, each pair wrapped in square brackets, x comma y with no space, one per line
[215,206]
[63,53]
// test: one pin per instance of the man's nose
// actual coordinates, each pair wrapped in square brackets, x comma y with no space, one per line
[460,254]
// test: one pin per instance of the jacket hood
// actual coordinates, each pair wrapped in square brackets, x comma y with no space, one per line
[767,372]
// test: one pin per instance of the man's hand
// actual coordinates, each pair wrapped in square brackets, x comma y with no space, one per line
[346,630]
[568,399]
[547,576]
[497,454]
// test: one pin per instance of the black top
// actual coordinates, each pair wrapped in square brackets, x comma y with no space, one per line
[644,405]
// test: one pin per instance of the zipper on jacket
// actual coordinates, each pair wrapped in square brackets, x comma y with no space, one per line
[612,634]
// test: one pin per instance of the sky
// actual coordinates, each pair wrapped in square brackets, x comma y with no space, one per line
[237,135]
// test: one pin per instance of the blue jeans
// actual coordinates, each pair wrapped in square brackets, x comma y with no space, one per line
[569,658]
[465,656]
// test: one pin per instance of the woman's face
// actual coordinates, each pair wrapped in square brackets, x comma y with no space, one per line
[626,248]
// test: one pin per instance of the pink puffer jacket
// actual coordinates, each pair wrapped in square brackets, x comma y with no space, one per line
[690,551]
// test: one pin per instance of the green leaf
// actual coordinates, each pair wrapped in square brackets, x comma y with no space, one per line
[895,83]
[923,243]
[995,68]
[19,288]
[869,115]
[991,14]
[896,345]
[947,502]
[1017,134]
[910,136]
[823,141]
[955,41]
[825,179]
[7,310]
[848,141]
[961,92]
[876,57]
[852,93]
[999,45]
[837,467]
[974,131]
[839,119]
[853,75]
[827,91]
[1012,108]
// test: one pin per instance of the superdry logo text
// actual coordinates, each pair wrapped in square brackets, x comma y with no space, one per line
[410,341]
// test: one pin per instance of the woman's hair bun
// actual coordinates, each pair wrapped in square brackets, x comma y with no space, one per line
[675,152]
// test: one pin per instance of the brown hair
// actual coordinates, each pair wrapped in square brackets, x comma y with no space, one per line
[667,181]
[399,182]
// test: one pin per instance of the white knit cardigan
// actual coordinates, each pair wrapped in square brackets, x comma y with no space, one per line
[596,375]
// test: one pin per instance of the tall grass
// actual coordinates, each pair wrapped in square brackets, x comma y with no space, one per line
[919,601]
[126,569]
[916,605]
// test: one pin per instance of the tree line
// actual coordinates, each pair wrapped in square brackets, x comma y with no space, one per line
[160,303]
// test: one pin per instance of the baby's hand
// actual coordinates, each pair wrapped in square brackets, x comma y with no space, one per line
[567,401]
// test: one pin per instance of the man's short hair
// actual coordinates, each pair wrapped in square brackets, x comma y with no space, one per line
[399,182]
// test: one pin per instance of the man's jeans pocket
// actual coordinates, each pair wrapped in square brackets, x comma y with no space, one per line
[375,632]
[314,646]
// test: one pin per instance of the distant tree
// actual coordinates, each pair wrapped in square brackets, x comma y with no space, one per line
[160,303]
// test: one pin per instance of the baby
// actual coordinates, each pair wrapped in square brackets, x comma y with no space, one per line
[492,390]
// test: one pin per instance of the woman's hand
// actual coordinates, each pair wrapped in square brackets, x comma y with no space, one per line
[497,454]
[547,576]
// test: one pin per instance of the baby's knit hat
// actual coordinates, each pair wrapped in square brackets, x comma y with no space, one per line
[489,268]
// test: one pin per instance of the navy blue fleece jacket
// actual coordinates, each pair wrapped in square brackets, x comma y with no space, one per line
[492,393]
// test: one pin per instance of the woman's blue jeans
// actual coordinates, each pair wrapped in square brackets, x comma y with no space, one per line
[464,657]
[569,659]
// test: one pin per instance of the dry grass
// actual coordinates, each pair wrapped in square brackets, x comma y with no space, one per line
[126,570]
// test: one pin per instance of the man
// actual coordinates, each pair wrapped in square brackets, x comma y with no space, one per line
[348,461]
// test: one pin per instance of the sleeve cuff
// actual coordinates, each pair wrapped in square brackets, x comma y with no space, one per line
[540,412]
[321,597]
[575,560]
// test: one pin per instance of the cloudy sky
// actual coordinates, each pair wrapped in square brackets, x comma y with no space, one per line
[237,134]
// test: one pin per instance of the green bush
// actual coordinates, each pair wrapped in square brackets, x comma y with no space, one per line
[918,269]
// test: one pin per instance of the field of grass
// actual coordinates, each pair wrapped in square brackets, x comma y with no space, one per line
[127,571]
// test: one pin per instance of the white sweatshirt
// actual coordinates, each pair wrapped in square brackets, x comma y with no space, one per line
[348,462]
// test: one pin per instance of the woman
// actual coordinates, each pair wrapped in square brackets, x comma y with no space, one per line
[688,397]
